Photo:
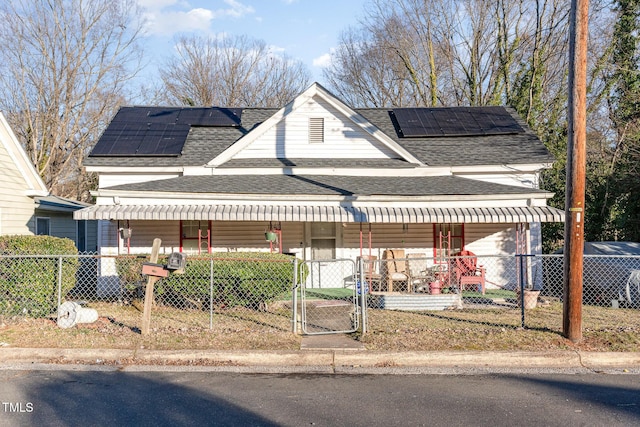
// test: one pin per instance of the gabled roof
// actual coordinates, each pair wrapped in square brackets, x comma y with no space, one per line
[35,185]
[217,145]
[316,90]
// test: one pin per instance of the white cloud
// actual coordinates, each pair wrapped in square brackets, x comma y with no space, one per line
[276,49]
[168,17]
[156,4]
[322,61]
[170,22]
[237,10]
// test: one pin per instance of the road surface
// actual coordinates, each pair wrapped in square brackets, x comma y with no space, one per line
[178,398]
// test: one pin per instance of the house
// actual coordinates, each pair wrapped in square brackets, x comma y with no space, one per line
[27,208]
[331,181]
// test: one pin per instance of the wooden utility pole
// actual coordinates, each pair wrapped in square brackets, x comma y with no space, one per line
[148,293]
[576,165]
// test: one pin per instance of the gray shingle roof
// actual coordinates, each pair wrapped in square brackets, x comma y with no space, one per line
[318,163]
[325,185]
[202,145]
[205,143]
[518,148]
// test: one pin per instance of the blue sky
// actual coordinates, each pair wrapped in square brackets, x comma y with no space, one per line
[303,29]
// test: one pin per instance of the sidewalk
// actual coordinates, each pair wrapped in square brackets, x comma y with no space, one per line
[320,355]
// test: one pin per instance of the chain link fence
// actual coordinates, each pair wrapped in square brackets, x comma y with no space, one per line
[501,291]
[258,289]
[612,281]
[329,297]
[254,288]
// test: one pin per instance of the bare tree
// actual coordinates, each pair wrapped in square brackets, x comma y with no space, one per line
[64,67]
[364,74]
[454,52]
[230,71]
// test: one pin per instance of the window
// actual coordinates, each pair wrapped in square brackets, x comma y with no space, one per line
[323,240]
[195,237]
[43,226]
[448,239]
[316,130]
[81,235]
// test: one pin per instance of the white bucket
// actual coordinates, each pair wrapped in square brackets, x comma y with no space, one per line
[71,313]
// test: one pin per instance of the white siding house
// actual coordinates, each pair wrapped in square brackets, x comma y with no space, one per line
[27,208]
[333,180]
[19,184]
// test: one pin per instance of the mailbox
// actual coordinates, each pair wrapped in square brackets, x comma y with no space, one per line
[176,261]
[152,269]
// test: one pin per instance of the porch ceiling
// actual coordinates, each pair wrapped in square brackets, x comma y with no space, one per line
[321,214]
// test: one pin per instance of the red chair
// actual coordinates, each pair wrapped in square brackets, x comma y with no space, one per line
[468,272]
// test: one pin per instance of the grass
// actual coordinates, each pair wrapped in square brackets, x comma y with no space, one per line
[171,329]
[491,293]
[329,293]
[604,329]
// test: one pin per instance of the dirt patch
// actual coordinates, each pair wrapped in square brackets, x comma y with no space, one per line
[118,327]
[604,329]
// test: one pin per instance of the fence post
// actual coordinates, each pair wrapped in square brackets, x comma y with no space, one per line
[521,287]
[364,288]
[59,280]
[294,298]
[211,293]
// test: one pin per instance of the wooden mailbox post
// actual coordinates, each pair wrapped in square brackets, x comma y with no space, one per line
[155,271]
[152,278]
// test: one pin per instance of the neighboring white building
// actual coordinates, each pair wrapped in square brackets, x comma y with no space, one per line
[335,181]
[27,208]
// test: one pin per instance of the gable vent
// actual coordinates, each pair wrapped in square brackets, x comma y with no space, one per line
[316,130]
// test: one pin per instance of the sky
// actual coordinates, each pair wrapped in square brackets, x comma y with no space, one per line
[306,30]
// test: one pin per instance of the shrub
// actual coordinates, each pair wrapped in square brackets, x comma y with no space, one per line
[29,273]
[247,279]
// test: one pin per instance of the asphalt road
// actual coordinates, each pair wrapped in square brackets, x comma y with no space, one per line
[169,398]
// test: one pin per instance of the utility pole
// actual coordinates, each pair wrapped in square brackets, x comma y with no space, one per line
[576,165]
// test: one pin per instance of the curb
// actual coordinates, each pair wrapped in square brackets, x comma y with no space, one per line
[313,359]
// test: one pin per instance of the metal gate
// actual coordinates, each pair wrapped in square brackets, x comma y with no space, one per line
[329,297]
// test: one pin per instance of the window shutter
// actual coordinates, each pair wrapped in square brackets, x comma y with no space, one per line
[316,130]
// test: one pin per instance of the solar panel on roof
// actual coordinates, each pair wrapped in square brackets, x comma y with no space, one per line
[214,116]
[196,116]
[430,122]
[120,139]
[502,121]
[142,139]
[159,131]
[163,140]
[163,115]
[147,115]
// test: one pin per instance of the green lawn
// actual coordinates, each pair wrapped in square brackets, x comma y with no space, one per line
[491,294]
[329,293]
